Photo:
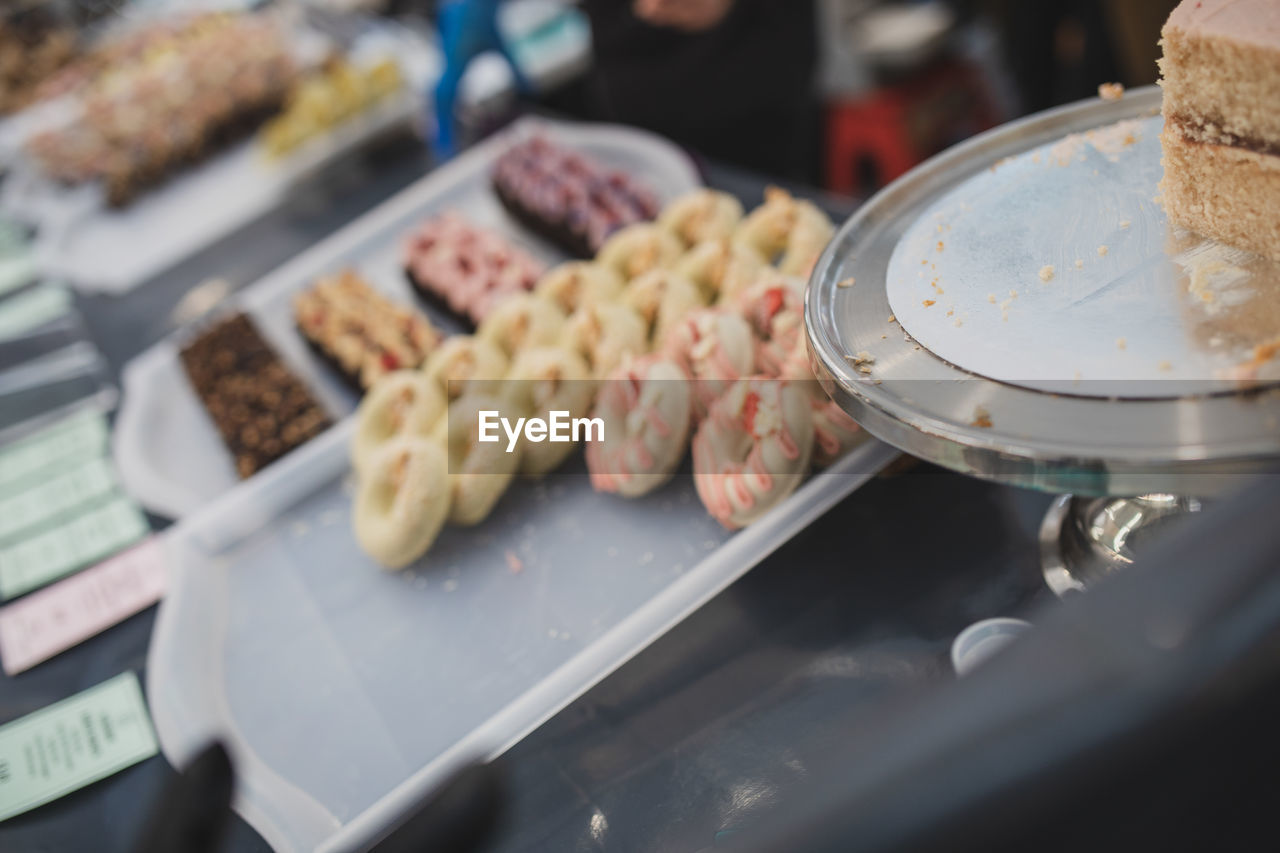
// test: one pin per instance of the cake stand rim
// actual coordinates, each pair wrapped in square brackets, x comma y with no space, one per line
[1230,435]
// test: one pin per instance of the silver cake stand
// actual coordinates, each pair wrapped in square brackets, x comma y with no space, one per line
[1124,464]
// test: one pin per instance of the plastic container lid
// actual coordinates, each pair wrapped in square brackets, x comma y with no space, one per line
[983,639]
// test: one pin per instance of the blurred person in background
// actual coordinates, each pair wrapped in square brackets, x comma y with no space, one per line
[731,79]
[1060,52]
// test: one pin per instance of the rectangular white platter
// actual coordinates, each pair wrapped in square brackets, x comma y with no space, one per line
[346,693]
[169,455]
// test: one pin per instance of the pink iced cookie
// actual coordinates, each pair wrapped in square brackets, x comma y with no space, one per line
[646,407]
[753,449]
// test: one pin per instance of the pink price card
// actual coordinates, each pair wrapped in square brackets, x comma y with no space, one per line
[46,623]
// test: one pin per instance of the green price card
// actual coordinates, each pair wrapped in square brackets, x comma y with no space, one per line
[59,749]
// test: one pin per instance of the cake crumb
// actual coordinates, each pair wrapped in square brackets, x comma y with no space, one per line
[1046,272]
[939,245]
[1102,250]
[929,303]
[959,322]
[892,318]
[1165,365]
[1111,91]
[1013,294]
[845,282]
[1121,343]
[991,297]
[1124,223]
[1079,264]
[884,337]
[981,418]
[864,357]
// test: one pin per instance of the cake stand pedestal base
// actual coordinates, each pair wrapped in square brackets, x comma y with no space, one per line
[1084,539]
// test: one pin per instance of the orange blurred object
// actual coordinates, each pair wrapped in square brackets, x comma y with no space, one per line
[872,139]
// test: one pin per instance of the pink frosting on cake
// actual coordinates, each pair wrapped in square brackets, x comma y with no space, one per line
[1253,21]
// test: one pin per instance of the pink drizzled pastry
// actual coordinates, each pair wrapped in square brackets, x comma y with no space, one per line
[774,308]
[468,267]
[753,449]
[568,197]
[834,432]
[646,405]
[716,348]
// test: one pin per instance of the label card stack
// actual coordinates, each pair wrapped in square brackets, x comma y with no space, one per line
[62,507]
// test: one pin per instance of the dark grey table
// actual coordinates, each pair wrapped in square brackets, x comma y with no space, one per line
[685,743]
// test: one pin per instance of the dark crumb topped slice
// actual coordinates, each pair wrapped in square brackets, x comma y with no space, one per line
[361,332]
[261,410]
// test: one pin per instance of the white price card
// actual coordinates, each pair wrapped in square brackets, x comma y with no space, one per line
[49,622]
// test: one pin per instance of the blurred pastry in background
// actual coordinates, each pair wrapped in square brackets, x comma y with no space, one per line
[164,98]
[320,102]
[360,332]
[568,198]
[31,50]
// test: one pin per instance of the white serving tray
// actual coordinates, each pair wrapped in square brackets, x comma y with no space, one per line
[346,693]
[98,249]
[169,455]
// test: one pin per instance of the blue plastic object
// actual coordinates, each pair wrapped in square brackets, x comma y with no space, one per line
[467,29]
